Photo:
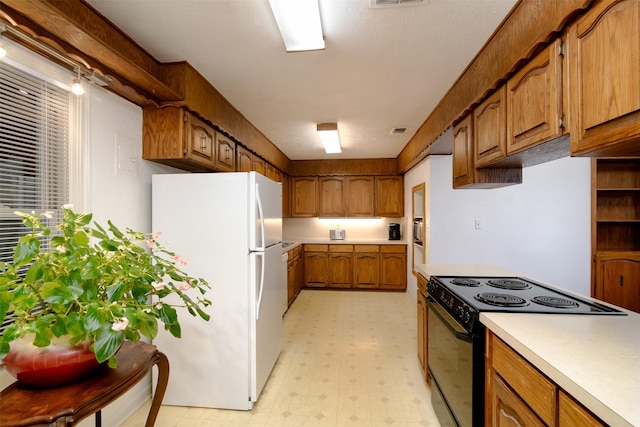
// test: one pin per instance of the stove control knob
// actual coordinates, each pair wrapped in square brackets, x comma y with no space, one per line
[467,317]
[431,287]
[460,312]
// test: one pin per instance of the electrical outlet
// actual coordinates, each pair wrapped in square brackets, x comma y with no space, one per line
[477,224]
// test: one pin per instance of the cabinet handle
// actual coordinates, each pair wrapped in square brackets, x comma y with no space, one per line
[203,142]
[515,421]
[621,280]
[226,152]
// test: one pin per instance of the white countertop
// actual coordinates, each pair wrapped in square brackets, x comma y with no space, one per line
[595,358]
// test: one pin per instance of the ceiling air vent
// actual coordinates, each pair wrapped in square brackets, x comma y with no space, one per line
[375,4]
[398,131]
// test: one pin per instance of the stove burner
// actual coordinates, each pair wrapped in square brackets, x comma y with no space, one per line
[501,300]
[510,284]
[555,302]
[465,282]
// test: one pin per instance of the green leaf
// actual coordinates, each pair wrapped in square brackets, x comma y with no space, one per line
[36,270]
[148,326]
[56,293]
[27,247]
[168,314]
[83,218]
[80,238]
[59,327]
[93,319]
[42,338]
[115,230]
[107,342]
[116,291]
[4,349]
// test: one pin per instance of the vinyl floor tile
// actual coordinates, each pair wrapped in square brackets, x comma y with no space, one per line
[349,359]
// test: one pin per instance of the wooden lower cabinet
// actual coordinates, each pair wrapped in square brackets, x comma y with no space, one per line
[295,273]
[316,266]
[508,409]
[366,267]
[340,266]
[393,267]
[617,279]
[517,394]
[356,266]
[423,330]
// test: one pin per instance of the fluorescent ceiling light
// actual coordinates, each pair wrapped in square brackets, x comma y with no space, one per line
[299,24]
[329,135]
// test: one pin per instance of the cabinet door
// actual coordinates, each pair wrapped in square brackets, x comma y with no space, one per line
[286,196]
[359,196]
[490,129]
[463,152]
[393,267]
[200,141]
[316,268]
[507,409]
[244,160]
[299,265]
[331,195]
[366,270]
[604,84]
[618,282]
[291,280]
[422,332]
[270,171]
[304,196]
[389,196]
[340,270]
[571,413]
[225,153]
[534,101]
[259,165]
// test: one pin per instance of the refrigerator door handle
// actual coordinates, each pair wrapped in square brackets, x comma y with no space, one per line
[260,250]
[259,300]
[260,219]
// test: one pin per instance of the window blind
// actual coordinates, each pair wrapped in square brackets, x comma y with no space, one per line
[34,152]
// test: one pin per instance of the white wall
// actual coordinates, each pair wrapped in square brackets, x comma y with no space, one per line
[300,229]
[539,229]
[117,187]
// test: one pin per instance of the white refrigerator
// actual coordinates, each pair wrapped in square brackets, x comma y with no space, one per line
[229,227]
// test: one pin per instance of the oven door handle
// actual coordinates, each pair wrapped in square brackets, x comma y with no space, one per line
[459,332]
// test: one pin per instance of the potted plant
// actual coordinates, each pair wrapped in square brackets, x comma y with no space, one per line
[93,287]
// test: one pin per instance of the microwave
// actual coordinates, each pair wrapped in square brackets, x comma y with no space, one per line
[418,230]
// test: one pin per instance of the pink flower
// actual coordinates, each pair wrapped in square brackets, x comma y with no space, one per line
[159,306]
[183,286]
[158,286]
[180,260]
[47,214]
[150,244]
[120,324]
[156,235]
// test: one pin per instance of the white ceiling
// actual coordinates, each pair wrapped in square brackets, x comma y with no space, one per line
[382,67]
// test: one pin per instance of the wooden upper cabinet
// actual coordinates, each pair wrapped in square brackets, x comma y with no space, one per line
[463,153]
[270,171]
[331,195]
[225,159]
[604,83]
[490,130]
[258,165]
[534,101]
[304,196]
[175,137]
[244,160]
[359,196]
[389,196]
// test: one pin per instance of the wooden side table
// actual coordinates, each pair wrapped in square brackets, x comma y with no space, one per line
[65,406]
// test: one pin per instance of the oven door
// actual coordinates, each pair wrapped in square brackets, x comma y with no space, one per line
[451,367]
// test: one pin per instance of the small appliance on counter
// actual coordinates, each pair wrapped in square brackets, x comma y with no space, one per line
[337,234]
[394,231]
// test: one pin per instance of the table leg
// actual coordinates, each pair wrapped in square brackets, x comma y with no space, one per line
[161,387]
[98,418]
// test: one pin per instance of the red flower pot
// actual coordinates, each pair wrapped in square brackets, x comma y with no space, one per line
[53,366]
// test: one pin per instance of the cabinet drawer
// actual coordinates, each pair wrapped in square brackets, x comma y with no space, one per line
[532,387]
[422,283]
[316,248]
[398,249]
[366,248]
[340,248]
[571,413]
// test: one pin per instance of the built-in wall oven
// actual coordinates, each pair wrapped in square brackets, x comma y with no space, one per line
[456,343]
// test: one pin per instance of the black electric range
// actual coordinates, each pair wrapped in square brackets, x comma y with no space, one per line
[465,297]
[456,336]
